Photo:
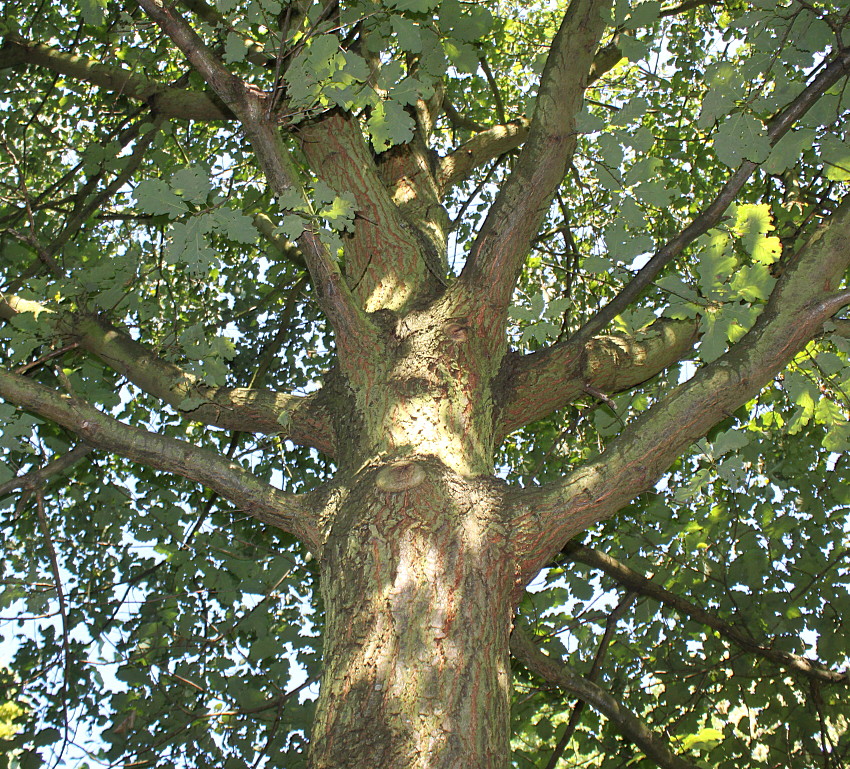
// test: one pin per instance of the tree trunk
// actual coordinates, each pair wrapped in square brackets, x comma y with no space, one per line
[417,574]
[417,594]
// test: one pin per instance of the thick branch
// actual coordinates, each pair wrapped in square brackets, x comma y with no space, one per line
[484,146]
[505,238]
[356,338]
[383,259]
[243,409]
[165,100]
[285,248]
[804,298]
[545,381]
[638,583]
[408,172]
[289,512]
[489,143]
[777,128]
[627,723]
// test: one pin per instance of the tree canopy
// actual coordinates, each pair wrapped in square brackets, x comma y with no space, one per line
[582,264]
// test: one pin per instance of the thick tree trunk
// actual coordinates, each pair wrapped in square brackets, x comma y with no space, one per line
[417,593]
[417,574]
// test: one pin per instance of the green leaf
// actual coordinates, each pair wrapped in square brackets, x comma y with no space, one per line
[633,50]
[234,225]
[644,14]
[714,328]
[235,48]
[154,196]
[339,212]
[292,226]
[389,125]
[726,86]
[611,153]
[837,438]
[93,12]
[465,26]
[192,184]
[191,403]
[188,245]
[624,245]
[835,155]
[643,170]
[407,33]
[409,90]
[654,193]
[741,137]
[413,6]
[705,739]
[752,283]
[716,264]
[788,150]
[462,56]
[731,440]
[587,122]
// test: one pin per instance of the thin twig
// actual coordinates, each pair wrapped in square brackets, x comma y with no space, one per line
[610,626]
[33,481]
[562,675]
[46,357]
[638,583]
[63,612]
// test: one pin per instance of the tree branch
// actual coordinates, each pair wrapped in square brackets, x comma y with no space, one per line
[356,338]
[803,299]
[383,259]
[35,479]
[614,616]
[638,583]
[285,248]
[489,143]
[86,203]
[289,512]
[777,128]
[244,409]
[687,5]
[564,676]
[167,101]
[484,146]
[514,218]
[542,382]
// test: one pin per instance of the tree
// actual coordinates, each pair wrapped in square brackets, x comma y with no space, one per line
[490,352]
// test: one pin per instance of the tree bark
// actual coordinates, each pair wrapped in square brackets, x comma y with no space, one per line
[424,553]
[416,586]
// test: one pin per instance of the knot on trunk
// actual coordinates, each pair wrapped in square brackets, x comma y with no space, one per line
[457,331]
[400,477]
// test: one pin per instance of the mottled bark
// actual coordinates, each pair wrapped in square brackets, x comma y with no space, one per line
[416,591]
[383,257]
[416,561]
[424,553]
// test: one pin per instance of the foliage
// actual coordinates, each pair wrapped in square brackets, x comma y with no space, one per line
[150,619]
